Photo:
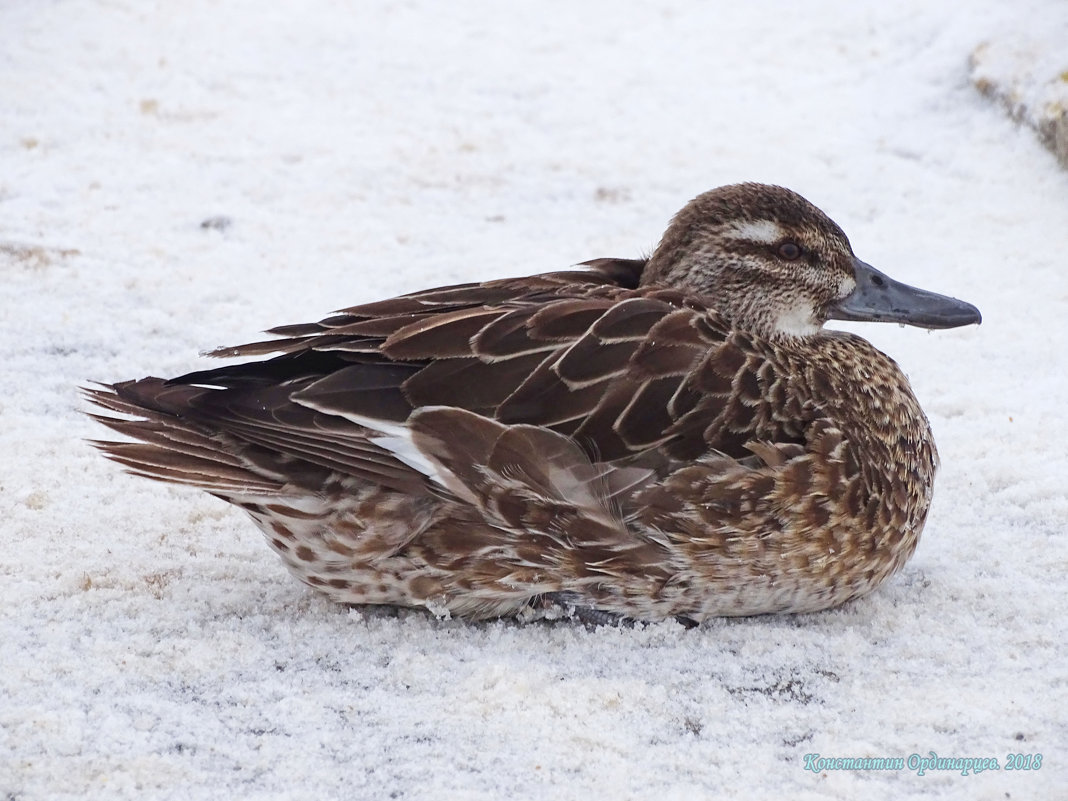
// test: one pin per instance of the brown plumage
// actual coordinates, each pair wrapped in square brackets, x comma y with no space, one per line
[641,439]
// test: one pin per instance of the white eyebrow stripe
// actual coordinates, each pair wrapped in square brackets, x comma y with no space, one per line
[764,232]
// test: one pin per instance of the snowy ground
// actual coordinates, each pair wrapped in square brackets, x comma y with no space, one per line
[152,646]
[1028,76]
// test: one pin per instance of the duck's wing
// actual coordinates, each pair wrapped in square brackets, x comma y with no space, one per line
[628,375]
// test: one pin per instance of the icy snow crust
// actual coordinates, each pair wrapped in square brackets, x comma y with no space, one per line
[178,176]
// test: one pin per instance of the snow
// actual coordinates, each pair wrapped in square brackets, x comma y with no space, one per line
[1028,75]
[153,647]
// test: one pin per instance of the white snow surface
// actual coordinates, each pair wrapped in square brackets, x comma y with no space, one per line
[152,646]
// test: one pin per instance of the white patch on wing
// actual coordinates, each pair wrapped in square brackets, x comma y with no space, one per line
[397,439]
[764,232]
[402,447]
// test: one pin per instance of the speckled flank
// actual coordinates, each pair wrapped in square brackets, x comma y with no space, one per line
[639,439]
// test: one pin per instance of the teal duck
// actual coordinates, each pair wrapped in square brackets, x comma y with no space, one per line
[676,436]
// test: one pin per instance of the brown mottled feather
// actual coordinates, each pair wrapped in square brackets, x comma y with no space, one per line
[613,437]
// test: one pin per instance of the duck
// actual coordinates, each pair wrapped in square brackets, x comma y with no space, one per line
[677,436]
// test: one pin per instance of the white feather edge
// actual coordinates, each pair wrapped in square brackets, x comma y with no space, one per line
[393,437]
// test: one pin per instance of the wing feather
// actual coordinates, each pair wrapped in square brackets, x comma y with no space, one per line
[587,358]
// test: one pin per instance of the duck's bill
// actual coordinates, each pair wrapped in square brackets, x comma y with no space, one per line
[879,298]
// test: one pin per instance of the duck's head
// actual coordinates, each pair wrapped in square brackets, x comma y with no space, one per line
[779,267]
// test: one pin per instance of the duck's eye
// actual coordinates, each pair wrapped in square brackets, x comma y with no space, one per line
[791,251]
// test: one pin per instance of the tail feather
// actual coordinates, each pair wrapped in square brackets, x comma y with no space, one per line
[151,461]
[168,436]
[172,448]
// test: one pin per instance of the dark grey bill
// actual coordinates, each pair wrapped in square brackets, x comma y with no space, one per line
[879,298]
